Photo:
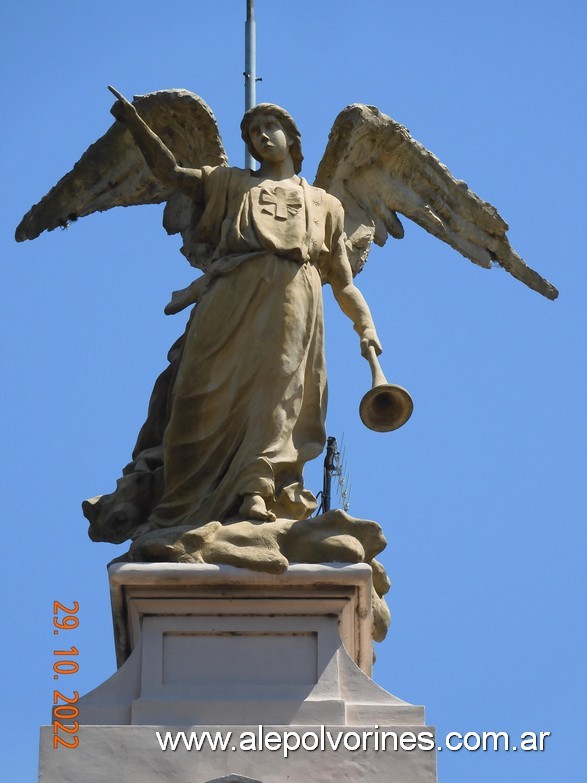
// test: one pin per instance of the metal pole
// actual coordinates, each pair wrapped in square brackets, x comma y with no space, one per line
[329,469]
[250,69]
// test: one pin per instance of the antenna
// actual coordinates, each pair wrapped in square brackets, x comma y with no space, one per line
[250,73]
[335,465]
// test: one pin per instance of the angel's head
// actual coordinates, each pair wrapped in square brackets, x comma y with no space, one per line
[267,117]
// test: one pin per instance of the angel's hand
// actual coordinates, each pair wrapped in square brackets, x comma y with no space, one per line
[122,110]
[369,339]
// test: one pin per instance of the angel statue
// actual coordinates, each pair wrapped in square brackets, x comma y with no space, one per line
[241,407]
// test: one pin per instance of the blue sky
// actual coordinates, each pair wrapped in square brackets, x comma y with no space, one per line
[481,495]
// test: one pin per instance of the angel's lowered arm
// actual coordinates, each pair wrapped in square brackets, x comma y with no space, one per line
[348,297]
[352,303]
[158,157]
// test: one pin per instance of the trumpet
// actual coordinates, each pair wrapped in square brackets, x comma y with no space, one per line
[385,407]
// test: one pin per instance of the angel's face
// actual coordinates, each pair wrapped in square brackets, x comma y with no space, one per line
[269,138]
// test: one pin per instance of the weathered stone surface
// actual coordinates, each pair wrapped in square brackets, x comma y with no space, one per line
[377,169]
[113,172]
[241,408]
[333,537]
[266,546]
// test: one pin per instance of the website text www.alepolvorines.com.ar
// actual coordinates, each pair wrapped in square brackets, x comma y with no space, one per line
[326,739]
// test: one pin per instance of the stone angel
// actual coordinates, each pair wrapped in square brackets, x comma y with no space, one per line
[241,407]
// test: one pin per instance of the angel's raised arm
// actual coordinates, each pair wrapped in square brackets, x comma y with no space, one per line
[113,171]
[158,156]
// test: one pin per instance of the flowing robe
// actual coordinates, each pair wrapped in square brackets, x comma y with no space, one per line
[249,400]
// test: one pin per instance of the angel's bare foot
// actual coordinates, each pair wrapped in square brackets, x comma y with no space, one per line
[254,507]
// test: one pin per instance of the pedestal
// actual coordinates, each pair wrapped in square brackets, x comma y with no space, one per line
[244,656]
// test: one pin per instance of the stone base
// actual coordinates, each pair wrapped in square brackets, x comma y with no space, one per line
[132,753]
[202,646]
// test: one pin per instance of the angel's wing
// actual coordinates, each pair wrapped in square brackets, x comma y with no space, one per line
[376,169]
[113,172]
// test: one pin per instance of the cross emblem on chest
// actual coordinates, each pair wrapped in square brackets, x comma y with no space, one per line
[280,202]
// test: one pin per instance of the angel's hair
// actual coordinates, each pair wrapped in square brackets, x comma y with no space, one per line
[289,127]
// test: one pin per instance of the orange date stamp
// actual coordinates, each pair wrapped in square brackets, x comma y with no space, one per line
[64,711]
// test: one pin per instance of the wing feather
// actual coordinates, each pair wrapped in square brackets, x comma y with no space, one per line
[376,169]
[113,172]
